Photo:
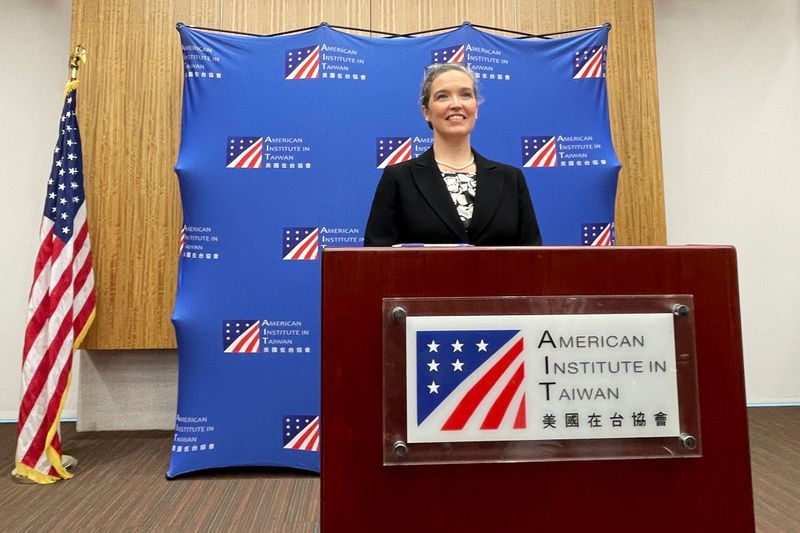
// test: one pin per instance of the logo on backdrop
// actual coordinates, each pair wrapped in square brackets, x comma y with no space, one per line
[470,378]
[589,63]
[200,63]
[265,336]
[268,152]
[546,151]
[240,336]
[392,150]
[486,63]
[302,63]
[199,242]
[300,244]
[301,432]
[324,61]
[539,151]
[245,152]
[598,234]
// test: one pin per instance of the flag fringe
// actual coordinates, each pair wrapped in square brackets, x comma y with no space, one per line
[71,86]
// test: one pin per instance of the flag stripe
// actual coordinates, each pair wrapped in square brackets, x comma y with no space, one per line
[462,413]
[520,420]
[499,408]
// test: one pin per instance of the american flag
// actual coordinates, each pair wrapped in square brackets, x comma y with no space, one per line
[391,150]
[240,336]
[61,307]
[589,63]
[598,234]
[244,152]
[470,381]
[300,244]
[451,54]
[302,63]
[539,152]
[301,432]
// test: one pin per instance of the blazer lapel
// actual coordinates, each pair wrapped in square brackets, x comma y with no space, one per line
[429,181]
[488,193]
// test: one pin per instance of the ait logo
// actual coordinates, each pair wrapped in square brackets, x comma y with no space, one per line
[244,152]
[240,336]
[392,150]
[301,432]
[302,63]
[300,244]
[539,151]
[598,234]
[451,54]
[589,63]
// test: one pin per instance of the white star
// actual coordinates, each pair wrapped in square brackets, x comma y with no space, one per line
[433,366]
[433,347]
[73,185]
[69,100]
[59,163]
[61,186]
[69,142]
[75,199]
[57,149]
[52,195]
[71,156]
[60,173]
[433,388]
[50,181]
[482,346]
[62,201]
[73,171]
[64,230]
[64,216]
[457,366]
[457,346]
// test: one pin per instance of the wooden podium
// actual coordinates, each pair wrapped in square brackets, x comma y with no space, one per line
[359,494]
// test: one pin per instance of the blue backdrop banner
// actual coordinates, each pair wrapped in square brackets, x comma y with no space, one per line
[282,144]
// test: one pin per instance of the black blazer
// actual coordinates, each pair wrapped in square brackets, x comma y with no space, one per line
[412,205]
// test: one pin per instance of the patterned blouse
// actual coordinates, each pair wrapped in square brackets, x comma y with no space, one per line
[461,186]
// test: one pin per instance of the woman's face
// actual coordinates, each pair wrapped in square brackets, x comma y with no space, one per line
[452,108]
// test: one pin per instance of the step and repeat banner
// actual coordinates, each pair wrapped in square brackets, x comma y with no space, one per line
[282,145]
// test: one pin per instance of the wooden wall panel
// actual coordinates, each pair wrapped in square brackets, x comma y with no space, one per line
[129,108]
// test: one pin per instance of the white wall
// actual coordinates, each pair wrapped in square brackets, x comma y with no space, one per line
[35,42]
[729,84]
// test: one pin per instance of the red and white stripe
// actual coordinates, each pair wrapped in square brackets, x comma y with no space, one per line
[604,237]
[399,154]
[247,342]
[250,158]
[308,68]
[307,439]
[594,67]
[544,156]
[306,249]
[61,307]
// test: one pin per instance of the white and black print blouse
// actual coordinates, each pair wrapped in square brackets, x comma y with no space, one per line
[461,186]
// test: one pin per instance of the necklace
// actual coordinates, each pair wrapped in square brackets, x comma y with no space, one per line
[448,165]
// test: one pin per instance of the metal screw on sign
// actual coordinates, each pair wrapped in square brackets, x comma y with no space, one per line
[400,449]
[680,310]
[398,314]
[689,442]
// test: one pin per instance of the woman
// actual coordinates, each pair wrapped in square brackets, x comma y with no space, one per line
[450,194]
